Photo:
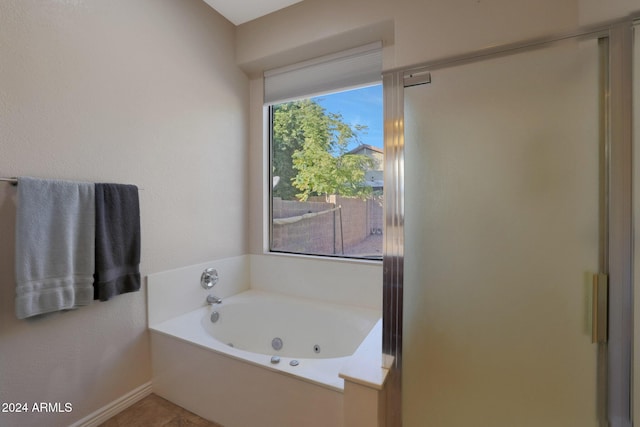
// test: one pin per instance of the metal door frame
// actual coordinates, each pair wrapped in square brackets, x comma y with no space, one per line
[615,381]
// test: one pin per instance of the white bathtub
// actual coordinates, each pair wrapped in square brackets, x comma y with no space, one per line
[196,367]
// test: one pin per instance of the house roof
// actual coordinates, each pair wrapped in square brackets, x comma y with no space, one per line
[365,147]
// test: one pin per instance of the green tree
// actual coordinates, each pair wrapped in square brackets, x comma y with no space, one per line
[309,153]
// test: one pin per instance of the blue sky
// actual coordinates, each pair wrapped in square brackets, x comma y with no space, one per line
[361,106]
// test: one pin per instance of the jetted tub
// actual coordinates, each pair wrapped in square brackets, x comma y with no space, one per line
[224,370]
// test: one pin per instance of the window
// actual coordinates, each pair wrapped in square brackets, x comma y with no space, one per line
[327,174]
[326,158]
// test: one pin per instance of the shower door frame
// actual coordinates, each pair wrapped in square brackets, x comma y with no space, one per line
[615,357]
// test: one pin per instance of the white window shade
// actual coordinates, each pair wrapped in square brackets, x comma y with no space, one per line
[352,68]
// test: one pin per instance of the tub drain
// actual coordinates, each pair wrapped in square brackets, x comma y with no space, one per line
[276,343]
[316,348]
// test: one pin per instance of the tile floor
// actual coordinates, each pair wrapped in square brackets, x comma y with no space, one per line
[154,411]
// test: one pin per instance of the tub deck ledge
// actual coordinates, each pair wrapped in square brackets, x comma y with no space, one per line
[365,366]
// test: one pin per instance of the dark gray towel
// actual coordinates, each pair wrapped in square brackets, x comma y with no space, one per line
[117,240]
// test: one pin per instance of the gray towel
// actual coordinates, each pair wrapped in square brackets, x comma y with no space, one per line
[117,240]
[55,244]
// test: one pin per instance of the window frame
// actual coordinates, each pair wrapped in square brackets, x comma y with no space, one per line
[269,128]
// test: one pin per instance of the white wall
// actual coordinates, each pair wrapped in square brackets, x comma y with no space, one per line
[419,30]
[142,92]
[414,31]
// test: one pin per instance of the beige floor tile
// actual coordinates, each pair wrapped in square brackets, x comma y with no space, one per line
[154,411]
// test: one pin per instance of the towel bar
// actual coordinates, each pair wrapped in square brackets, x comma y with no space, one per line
[14,181]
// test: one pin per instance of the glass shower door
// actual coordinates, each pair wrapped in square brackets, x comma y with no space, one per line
[503,165]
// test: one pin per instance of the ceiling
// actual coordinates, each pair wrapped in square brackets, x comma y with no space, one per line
[241,11]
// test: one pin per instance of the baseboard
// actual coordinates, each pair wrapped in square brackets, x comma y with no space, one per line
[114,408]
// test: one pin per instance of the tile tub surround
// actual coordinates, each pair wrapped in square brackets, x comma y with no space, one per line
[355,283]
[175,292]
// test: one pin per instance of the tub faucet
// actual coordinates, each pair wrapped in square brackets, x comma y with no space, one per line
[211,299]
